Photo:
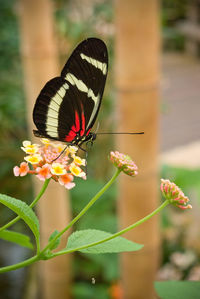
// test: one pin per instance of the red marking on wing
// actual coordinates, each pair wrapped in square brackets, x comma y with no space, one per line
[70,136]
[88,132]
[74,129]
[83,124]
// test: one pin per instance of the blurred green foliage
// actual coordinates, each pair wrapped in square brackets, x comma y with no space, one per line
[173,11]
[12,104]
[76,20]
[13,131]
[178,289]
[90,291]
[183,177]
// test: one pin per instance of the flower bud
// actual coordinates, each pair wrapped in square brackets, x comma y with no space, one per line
[124,163]
[174,194]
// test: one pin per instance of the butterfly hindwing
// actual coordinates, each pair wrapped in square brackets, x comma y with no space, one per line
[47,108]
[67,106]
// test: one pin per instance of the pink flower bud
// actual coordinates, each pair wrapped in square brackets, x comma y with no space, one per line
[174,194]
[124,163]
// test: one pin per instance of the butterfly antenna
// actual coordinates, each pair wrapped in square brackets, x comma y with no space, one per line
[86,169]
[115,133]
[119,133]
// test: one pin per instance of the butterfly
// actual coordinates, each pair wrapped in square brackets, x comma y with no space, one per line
[68,105]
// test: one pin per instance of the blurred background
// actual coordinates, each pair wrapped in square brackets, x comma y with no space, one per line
[178,141]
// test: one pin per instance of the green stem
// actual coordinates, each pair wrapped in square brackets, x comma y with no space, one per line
[164,204]
[83,211]
[20,265]
[31,205]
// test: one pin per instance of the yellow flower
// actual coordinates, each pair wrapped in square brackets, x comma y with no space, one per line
[72,149]
[45,141]
[79,161]
[33,159]
[76,170]
[26,143]
[59,146]
[58,169]
[29,148]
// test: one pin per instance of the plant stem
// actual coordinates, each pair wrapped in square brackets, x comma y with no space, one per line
[31,205]
[20,265]
[84,210]
[163,205]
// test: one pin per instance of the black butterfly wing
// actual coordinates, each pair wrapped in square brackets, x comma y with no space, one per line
[47,109]
[67,106]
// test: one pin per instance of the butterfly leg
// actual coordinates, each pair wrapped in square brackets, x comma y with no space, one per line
[86,155]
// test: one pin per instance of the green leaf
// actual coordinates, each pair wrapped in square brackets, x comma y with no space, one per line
[15,237]
[24,211]
[178,289]
[85,238]
[57,242]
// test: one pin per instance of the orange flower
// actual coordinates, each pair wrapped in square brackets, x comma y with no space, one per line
[66,181]
[116,291]
[43,172]
[22,170]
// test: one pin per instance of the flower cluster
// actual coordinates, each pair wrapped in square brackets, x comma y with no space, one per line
[124,163]
[50,160]
[174,194]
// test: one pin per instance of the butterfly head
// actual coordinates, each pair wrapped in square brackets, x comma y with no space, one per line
[92,136]
[79,140]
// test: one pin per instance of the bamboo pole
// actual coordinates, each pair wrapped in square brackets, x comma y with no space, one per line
[39,57]
[137,79]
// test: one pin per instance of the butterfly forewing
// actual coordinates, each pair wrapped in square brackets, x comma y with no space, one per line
[67,106]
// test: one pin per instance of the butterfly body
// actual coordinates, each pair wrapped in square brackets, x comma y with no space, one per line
[67,106]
